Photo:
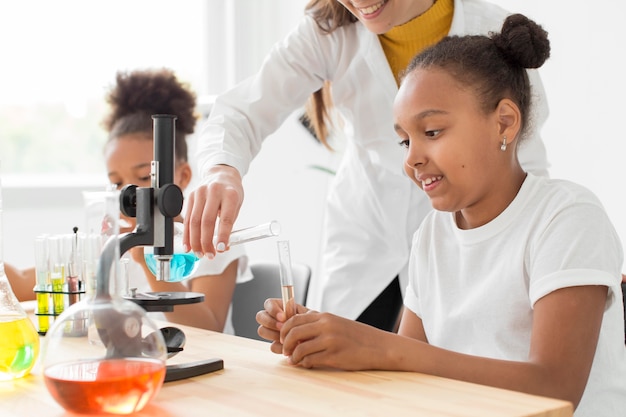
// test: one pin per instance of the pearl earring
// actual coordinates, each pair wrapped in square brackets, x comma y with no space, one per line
[503,146]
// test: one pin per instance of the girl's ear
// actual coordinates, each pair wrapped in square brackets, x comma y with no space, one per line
[182,176]
[509,119]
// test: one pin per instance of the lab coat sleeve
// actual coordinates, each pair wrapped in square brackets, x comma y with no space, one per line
[244,116]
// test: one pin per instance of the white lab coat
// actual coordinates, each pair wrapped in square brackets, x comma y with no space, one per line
[373,209]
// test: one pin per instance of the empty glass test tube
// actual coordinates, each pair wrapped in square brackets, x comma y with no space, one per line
[253,233]
[286,278]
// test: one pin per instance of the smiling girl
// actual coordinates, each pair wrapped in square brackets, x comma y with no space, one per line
[514,279]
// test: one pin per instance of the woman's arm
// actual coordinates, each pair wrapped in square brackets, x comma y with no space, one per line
[240,120]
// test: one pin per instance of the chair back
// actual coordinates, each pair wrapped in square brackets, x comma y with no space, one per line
[624,302]
[249,297]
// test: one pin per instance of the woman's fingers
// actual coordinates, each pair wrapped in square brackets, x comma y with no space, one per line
[219,197]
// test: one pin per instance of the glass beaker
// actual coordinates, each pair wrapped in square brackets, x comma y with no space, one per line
[119,366]
[19,340]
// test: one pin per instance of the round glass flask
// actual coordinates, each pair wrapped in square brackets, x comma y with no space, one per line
[103,354]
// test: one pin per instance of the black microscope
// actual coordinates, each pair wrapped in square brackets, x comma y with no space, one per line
[155,208]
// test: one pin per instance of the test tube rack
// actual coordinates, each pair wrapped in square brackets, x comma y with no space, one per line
[52,302]
[64,265]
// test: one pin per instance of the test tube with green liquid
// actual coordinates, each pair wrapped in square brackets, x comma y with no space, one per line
[56,268]
[42,290]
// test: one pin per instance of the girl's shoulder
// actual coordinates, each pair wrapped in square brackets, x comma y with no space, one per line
[561,190]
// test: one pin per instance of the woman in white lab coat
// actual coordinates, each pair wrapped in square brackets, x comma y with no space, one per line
[372,208]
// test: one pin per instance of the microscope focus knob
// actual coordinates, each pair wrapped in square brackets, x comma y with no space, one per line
[128,200]
[170,200]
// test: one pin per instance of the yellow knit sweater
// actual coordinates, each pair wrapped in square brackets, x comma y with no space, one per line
[403,42]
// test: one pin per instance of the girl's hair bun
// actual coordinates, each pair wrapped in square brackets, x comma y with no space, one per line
[523,42]
[151,91]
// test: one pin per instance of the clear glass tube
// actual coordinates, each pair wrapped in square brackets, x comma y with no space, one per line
[253,233]
[286,278]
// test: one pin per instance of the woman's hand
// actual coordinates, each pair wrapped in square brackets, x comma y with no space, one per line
[220,196]
[271,320]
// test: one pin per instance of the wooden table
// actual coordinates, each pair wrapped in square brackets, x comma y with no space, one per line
[256,382]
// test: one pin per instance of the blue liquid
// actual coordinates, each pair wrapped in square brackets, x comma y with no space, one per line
[182,265]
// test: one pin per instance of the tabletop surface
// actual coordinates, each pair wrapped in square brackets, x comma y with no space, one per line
[257,382]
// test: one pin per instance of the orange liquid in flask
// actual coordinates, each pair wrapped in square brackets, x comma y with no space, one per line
[115,386]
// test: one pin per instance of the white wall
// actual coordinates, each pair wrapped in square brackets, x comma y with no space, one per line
[33,206]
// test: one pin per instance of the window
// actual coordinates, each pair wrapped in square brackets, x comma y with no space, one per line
[59,58]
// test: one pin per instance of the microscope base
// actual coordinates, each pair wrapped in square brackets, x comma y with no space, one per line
[164,301]
[189,370]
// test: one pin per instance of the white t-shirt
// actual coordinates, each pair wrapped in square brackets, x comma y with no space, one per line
[137,279]
[475,289]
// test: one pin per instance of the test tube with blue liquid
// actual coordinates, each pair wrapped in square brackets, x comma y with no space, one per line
[286,278]
[184,264]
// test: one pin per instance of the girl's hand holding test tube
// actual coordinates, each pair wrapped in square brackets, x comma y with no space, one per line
[272,319]
[286,279]
[289,307]
[304,338]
